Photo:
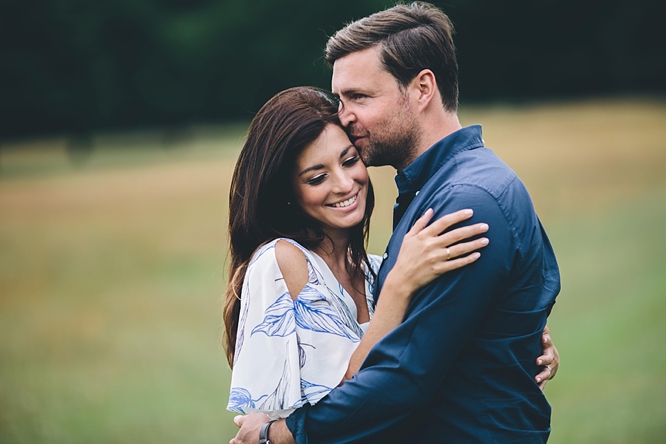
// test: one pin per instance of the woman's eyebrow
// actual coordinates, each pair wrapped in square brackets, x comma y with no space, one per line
[311,168]
[346,150]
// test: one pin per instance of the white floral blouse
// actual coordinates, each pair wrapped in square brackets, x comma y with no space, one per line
[289,352]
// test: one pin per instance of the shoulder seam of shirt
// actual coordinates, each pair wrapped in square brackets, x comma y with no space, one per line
[509,220]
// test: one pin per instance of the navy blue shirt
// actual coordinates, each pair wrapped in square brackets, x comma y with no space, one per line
[460,367]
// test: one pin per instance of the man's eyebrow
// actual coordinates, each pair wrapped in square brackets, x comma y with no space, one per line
[348,92]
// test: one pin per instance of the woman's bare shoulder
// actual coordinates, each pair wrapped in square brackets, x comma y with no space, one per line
[293,266]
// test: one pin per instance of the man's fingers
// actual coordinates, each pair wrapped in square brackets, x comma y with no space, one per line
[238,420]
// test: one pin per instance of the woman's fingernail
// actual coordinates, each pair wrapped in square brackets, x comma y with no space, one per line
[468,212]
[484,241]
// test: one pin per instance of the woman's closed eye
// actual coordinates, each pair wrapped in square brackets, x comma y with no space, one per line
[316,180]
[351,161]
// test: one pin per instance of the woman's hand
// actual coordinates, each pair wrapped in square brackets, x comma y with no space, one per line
[549,360]
[426,253]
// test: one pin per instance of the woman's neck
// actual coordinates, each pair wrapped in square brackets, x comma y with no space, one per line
[334,249]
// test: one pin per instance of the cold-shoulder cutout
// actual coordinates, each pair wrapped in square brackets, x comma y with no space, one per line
[293,266]
[302,345]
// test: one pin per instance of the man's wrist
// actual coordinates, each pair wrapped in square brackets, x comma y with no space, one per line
[264,431]
[279,433]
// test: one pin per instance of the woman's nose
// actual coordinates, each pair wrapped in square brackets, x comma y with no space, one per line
[343,183]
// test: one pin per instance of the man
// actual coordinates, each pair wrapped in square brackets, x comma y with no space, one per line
[460,367]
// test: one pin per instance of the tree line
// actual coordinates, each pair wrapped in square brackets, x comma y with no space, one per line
[76,66]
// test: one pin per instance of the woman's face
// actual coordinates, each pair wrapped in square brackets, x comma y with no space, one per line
[331,181]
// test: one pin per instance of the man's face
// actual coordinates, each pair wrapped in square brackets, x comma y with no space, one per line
[375,110]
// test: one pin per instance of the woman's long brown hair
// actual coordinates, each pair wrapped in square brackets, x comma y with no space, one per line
[261,188]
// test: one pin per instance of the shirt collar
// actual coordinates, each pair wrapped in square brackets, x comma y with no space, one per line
[427,164]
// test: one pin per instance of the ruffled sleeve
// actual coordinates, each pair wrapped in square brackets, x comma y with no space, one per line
[288,352]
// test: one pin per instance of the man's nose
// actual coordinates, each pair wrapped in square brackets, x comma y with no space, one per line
[345,115]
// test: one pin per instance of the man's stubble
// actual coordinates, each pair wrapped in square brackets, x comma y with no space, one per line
[395,140]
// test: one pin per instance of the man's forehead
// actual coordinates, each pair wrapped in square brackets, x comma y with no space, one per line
[355,69]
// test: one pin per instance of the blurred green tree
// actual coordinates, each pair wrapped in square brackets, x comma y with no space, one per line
[76,66]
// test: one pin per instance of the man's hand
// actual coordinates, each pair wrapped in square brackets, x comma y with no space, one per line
[249,428]
[251,424]
[550,360]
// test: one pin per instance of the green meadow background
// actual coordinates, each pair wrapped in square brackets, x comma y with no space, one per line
[112,264]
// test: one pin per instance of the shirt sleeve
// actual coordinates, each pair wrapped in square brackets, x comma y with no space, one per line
[403,370]
[289,352]
[265,375]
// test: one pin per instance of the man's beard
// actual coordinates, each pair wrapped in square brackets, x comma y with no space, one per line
[396,142]
[396,147]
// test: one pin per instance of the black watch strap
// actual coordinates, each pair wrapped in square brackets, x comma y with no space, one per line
[263,433]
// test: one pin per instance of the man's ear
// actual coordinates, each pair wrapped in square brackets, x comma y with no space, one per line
[424,88]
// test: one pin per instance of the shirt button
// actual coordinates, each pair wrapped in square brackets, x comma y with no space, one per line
[385,256]
[417,193]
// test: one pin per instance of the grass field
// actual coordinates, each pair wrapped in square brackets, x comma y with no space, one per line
[111,272]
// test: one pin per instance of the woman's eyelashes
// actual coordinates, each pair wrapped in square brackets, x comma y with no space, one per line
[316,180]
[351,161]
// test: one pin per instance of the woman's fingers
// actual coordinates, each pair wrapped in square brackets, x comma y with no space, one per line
[453,264]
[422,221]
[450,257]
[543,377]
[444,222]
[550,360]
[466,247]
[461,233]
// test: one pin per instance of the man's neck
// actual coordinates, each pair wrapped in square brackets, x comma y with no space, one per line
[435,127]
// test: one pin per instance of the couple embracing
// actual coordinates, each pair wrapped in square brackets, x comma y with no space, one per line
[444,337]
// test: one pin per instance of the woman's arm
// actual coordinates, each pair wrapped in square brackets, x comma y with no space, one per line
[425,254]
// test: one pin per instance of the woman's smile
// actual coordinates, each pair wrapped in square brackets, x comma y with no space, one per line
[331,181]
[345,203]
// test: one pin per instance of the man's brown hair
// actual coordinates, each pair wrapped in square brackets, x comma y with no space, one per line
[412,38]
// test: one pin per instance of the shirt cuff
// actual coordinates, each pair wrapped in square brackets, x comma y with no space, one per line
[296,424]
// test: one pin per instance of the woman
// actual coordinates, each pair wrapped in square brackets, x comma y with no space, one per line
[299,298]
